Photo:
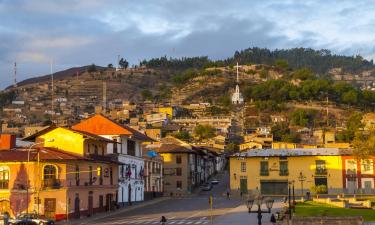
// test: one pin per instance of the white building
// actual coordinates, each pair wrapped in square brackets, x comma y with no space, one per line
[237,97]
[127,150]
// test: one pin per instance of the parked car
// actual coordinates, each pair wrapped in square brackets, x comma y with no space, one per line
[206,187]
[214,181]
[30,219]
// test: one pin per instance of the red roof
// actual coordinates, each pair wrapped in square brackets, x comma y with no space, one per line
[49,154]
[101,125]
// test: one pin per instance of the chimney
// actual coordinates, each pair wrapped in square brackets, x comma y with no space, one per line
[7,141]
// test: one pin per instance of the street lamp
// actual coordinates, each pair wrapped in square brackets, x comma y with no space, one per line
[301,179]
[259,201]
[27,181]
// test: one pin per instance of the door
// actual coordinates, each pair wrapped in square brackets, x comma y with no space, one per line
[108,201]
[243,185]
[4,206]
[76,207]
[50,207]
[351,185]
[90,204]
[274,187]
[129,194]
[321,181]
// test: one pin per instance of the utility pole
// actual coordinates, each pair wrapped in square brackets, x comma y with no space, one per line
[15,74]
[327,112]
[52,92]
[104,96]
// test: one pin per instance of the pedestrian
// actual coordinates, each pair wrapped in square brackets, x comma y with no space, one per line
[241,194]
[273,219]
[163,220]
[6,218]
[228,195]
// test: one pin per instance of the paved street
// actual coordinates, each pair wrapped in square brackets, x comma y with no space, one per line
[189,210]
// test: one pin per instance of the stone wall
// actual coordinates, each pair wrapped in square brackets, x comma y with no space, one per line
[352,220]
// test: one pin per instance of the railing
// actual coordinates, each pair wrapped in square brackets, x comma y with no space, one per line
[284,172]
[264,173]
[321,171]
[4,184]
[51,184]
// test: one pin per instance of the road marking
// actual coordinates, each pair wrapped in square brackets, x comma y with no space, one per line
[147,222]
[198,222]
[171,217]
[205,222]
[203,218]
[189,222]
[172,222]
[155,222]
[181,222]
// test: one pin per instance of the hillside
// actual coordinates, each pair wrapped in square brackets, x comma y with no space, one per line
[192,80]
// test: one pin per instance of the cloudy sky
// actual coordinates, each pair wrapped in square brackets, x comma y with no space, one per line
[81,32]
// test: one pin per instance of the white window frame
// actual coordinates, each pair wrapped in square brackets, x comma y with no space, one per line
[371,162]
[367,179]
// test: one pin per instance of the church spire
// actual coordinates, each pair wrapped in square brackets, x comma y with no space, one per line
[237,96]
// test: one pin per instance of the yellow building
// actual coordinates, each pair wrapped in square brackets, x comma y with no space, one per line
[268,171]
[290,145]
[169,110]
[251,145]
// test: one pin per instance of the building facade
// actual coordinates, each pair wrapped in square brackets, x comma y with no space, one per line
[153,175]
[269,171]
[56,184]
[127,149]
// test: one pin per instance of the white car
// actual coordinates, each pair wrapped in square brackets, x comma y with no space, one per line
[214,181]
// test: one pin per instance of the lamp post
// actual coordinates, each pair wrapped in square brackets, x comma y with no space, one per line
[301,179]
[259,201]
[294,198]
[38,178]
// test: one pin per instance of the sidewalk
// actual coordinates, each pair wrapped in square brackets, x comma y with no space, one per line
[103,215]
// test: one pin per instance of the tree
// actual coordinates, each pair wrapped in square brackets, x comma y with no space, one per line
[110,66]
[91,68]
[350,97]
[146,94]
[282,64]
[302,117]
[232,147]
[353,124]
[123,63]
[203,131]
[183,135]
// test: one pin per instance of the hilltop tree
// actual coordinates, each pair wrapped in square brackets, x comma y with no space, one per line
[146,94]
[203,131]
[123,63]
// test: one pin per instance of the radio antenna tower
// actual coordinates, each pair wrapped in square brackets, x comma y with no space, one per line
[15,74]
[104,97]
[52,90]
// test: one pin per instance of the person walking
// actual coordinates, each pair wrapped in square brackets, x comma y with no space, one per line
[163,220]
[273,219]
[228,195]
[6,218]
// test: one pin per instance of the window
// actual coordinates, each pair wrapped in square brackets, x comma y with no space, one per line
[178,159]
[243,167]
[49,172]
[77,175]
[90,175]
[111,175]
[50,177]
[178,171]
[179,184]
[95,149]
[100,173]
[367,166]
[351,166]
[131,148]
[4,177]
[264,168]
[320,167]
[283,168]
[114,144]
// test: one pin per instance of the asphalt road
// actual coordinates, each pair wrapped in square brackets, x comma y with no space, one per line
[179,211]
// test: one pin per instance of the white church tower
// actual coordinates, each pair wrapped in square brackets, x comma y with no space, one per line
[237,96]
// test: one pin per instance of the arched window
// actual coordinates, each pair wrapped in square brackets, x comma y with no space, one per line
[49,172]
[4,177]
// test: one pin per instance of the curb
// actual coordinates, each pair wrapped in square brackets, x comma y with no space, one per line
[100,216]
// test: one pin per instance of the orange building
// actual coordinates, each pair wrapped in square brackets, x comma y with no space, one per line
[55,181]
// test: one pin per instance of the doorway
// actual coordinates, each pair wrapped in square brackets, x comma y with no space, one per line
[76,207]
[50,207]
[90,207]
[243,185]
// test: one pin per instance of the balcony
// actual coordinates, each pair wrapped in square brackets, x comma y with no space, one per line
[51,184]
[283,172]
[320,171]
[264,173]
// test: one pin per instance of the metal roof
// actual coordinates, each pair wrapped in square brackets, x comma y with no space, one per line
[293,152]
